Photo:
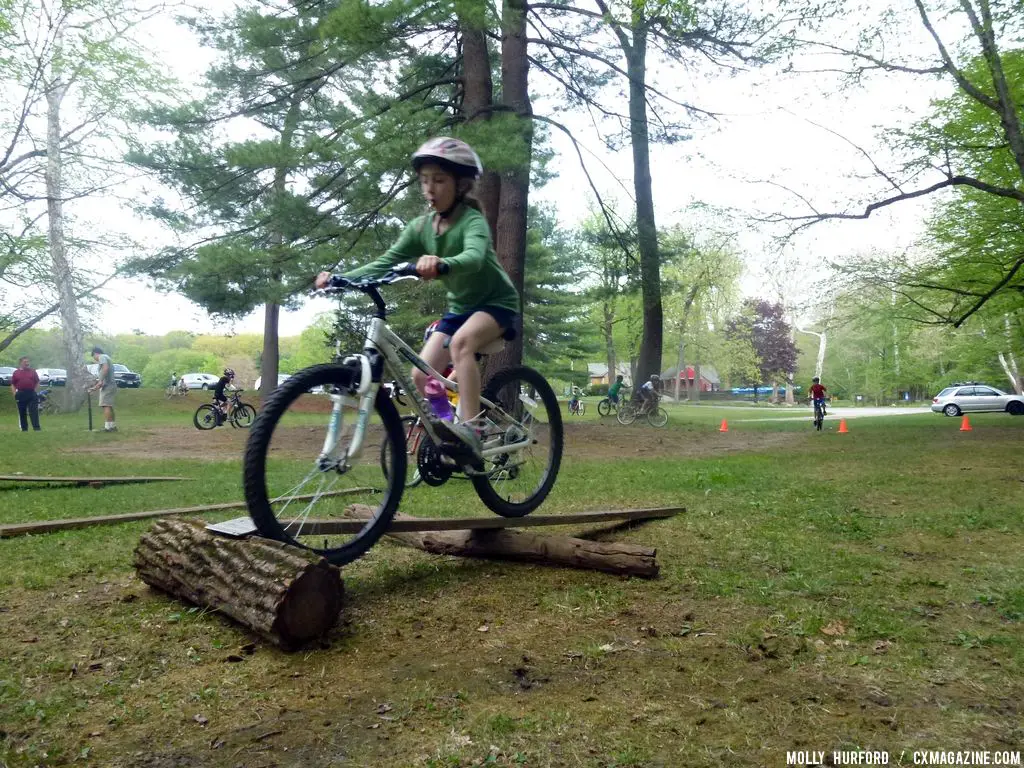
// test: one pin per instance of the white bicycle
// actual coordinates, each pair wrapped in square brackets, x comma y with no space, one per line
[306,460]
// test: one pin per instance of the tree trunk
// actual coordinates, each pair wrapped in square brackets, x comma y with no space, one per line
[679,360]
[286,594]
[271,352]
[611,557]
[270,360]
[477,101]
[607,326]
[515,185]
[72,338]
[647,230]
[695,394]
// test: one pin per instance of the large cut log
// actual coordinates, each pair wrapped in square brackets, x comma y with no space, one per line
[288,595]
[499,544]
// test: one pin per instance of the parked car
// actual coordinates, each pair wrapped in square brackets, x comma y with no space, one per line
[281,379]
[200,380]
[55,377]
[5,375]
[973,397]
[123,377]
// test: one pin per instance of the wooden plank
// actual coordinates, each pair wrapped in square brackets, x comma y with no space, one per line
[327,527]
[46,526]
[84,480]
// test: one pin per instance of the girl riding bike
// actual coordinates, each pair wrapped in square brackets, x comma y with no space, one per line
[452,243]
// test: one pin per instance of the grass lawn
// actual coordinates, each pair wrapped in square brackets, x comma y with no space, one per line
[821,592]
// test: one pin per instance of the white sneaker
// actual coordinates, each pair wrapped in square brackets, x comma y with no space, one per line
[464,432]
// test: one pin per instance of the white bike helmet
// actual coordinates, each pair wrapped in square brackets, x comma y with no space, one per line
[453,155]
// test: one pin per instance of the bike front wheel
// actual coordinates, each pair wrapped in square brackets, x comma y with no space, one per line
[243,416]
[205,417]
[604,408]
[299,478]
[524,414]
[658,417]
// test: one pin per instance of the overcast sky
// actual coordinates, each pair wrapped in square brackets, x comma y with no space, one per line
[764,132]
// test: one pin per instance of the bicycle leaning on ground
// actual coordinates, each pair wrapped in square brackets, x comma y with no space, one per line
[521,455]
[176,389]
[239,414]
[631,411]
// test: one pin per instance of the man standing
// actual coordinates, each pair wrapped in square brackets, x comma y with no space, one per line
[23,384]
[107,388]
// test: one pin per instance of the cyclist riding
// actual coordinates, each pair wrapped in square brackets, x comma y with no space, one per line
[574,398]
[614,389]
[219,398]
[452,243]
[649,391]
[818,395]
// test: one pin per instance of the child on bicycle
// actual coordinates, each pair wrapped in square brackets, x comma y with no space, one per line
[220,400]
[483,304]
[649,391]
[818,394]
[614,389]
[574,399]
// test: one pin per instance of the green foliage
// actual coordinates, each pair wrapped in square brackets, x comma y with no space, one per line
[157,372]
[555,309]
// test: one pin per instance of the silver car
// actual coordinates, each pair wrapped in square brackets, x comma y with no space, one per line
[965,398]
[200,380]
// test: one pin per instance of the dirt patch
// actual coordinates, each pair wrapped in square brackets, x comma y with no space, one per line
[598,441]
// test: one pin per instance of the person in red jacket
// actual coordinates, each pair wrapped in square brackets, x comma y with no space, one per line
[818,394]
[23,384]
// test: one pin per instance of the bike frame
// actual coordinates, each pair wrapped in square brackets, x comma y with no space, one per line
[384,345]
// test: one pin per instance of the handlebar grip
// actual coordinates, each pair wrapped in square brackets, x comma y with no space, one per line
[444,268]
[337,281]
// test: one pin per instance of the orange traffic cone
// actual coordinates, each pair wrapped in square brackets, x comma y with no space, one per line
[842,427]
[965,424]
[724,427]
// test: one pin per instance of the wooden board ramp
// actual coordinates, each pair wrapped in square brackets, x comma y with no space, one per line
[47,526]
[406,524]
[95,482]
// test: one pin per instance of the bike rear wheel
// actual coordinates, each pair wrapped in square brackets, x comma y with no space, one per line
[627,414]
[658,417]
[205,417]
[526,412]
[243,416]
[284,461]
[414,433]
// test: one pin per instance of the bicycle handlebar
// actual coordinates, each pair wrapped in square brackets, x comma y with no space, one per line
[398,272]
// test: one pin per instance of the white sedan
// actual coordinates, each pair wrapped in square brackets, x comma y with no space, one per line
[958,399]
[200,380]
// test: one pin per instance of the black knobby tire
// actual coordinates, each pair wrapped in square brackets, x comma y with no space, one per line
[493,488]
[205,417]
[414,434]
[383,500]
[657,417]
[243,416]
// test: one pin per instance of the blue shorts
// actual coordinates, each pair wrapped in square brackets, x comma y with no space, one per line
[505,318]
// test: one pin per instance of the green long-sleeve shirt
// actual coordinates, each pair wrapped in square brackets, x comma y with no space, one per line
[475,278]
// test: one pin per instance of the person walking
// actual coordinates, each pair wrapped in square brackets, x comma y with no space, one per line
[107,388]
[23,384]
